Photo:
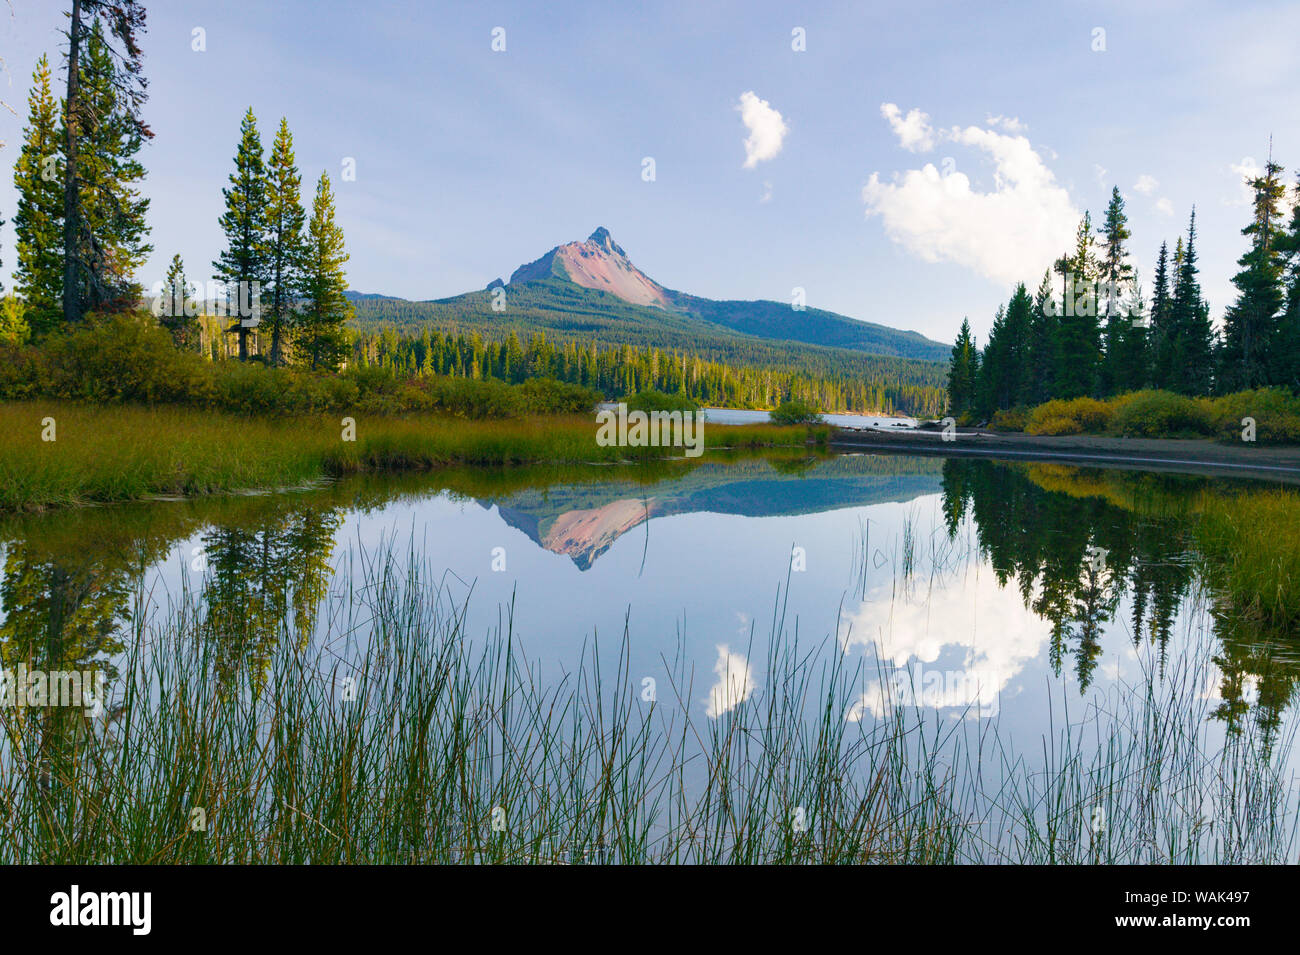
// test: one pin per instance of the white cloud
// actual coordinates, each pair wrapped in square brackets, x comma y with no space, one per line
[735,683]
[983,629]
[1100,172]
[767,192]
[1165,207]
[913,130]
[766,129]
[1010,124]
[1008,234]
[1146,184]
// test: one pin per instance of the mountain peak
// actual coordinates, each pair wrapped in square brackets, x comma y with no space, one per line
[606,241]
[598,263]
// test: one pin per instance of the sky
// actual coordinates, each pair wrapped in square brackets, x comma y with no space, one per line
[901,163]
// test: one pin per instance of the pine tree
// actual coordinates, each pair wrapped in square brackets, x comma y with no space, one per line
[963,370]
[990,385]
[243,265]
[1079,339]
[180,312]
[1161,320]
[119,80]
[14,329]
[1041,355]
[1287,359]
[1016,385]
[1250,325]
[1190,318]
[322,339]
[284,241]
[112,212]
[38,222]
[1116,274]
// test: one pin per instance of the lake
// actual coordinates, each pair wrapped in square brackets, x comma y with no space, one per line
[1064,630]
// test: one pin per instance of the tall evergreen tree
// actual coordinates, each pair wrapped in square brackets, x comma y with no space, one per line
[1041,353]
[991,382]
[1114,298]
[1287,358]
[85,253]
[1079,338]
[112,212]
[963,370]
[1250,325]
[38,221]
[1190,318]
[322,339]
[1018,323]
[1161,324]
[284,240]
[245,260]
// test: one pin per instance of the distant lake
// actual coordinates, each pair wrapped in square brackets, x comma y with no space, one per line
[739,416]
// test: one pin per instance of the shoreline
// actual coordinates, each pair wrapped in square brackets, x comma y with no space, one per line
[1186,455]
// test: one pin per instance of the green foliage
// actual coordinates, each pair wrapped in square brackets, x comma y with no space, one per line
[285,248]
[651,400]
[1160,414]
[112,223]
[321,340]
[245,257]
[14,329]
[1276,413]
[1010,419]
[795,412]
[38,222]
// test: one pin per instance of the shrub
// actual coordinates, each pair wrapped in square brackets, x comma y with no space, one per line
[795,411]
[125,357]
[1276,414]
[651,400]
[1154,414]
[1056,425]
[1086,414]
[1010,419]
[548,396]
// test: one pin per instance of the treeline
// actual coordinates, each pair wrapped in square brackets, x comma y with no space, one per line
[1101,337]
[81,221]
[617,370]
[845,379]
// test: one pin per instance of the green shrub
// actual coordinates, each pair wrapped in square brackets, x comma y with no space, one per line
[795,411]
[1156,414]
[1010,419]
[125,357]
[651,400]
[1275,411]
[548,396]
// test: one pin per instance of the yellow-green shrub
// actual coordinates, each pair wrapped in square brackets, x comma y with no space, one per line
[1084,414]
[1157,414]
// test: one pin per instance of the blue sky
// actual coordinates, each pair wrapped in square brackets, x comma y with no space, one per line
[471,161]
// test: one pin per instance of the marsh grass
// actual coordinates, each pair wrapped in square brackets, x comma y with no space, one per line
[456,749]
[115,453]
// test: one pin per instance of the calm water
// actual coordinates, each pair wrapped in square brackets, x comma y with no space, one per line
[1017,594]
